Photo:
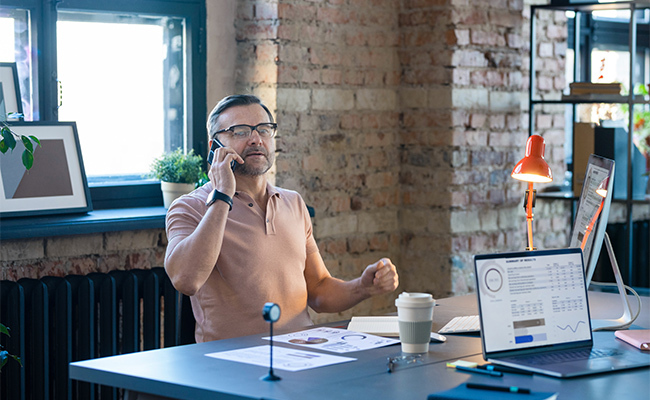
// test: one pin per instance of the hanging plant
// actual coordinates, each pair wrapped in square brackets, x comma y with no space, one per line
[4,354]
[9,139]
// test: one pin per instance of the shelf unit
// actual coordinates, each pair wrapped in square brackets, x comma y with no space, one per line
[581,9]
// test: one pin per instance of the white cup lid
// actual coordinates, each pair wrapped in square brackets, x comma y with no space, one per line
[414,299]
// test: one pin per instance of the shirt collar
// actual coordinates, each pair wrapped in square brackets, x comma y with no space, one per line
[272,190]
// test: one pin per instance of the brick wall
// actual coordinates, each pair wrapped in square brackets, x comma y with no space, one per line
[65,255]
[400,122]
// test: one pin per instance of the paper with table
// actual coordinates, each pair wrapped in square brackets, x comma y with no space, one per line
[283,358]
[288,359]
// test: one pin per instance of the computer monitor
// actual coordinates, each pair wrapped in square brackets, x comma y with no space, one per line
[593,211]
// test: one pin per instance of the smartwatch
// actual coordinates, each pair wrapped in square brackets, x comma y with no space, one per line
[217,195]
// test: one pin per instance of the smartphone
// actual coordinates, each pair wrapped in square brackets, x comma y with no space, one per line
[215,145]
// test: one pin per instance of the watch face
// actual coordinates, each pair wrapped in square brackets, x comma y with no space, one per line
[271,312]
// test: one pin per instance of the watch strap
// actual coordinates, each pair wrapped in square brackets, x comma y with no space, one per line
[217,195]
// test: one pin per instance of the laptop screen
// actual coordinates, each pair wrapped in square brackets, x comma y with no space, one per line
[530,299]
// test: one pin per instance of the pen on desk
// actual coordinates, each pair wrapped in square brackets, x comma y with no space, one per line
[476,370]
[510,389]
[500,368]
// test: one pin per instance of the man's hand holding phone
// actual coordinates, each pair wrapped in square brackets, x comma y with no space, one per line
[222,177]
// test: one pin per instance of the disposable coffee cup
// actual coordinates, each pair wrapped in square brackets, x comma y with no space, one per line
[415,317]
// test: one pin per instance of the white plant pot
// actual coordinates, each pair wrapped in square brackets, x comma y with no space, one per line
[172,191]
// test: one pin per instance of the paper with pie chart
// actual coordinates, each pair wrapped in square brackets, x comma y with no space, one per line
[334,339]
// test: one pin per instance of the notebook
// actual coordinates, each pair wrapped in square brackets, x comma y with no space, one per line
[535,315]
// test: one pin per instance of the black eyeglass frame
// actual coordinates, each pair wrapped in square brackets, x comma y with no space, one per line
[273,125]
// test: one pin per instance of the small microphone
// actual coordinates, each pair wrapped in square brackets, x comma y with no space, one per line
[271,313]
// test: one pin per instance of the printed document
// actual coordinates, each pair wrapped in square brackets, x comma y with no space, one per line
[334,339]
[283,358]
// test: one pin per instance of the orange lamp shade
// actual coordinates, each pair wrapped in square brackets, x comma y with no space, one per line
[533,167]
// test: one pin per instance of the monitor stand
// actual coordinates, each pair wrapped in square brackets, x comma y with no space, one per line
[626,319]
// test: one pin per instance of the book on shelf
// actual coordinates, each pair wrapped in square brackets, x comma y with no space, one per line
[596,98]
[587,88]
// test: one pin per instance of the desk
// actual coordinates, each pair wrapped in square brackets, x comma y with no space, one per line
[184,372]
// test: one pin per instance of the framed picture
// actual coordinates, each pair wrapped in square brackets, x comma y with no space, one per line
[10,87]
[55,184]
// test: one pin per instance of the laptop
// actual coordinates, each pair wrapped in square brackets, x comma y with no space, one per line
[534,316]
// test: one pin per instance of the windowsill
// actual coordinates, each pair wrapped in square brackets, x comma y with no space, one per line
[110,220]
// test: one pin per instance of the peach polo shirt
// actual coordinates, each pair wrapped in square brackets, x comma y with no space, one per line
[261,260]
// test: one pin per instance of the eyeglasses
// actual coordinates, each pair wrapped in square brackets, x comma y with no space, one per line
[393,362]
[243,131]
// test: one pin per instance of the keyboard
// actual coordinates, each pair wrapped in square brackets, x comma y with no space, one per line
[468,323]
[567,355]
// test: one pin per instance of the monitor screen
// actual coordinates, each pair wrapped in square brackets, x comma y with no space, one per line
[593,211]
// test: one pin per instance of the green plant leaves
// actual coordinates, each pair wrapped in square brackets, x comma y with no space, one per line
[8,141]
[28,159]
[8,138]
[27,143]
[177,167]
[4,355]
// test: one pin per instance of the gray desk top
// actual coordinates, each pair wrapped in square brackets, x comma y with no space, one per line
[184,372]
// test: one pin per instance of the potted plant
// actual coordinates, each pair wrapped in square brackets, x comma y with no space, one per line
[178,173]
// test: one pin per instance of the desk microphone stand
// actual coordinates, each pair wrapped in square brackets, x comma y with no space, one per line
[271,313]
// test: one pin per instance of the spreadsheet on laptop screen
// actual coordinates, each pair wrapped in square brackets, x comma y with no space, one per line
[532,300]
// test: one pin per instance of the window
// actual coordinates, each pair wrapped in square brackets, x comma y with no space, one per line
[604,57]
[131,74]
[15,47]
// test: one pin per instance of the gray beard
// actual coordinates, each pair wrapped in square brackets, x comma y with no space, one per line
[246,170]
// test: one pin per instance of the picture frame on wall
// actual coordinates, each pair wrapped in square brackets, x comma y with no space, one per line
[56,183]
[10,86]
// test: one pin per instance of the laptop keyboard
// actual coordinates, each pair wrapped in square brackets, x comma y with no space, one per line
[566,356]
[468,323]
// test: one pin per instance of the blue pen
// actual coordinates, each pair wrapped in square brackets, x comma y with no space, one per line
[500,368]
[479,371]
[510,389]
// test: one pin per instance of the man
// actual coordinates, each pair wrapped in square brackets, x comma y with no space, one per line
[238,242]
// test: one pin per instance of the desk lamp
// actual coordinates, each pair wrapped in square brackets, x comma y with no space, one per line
[532,168]
[602,192]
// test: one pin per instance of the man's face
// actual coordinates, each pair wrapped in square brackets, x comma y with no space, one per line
[258,153]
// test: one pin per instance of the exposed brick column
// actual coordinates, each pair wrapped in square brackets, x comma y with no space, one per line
[428,154]
[463,60]
[552,218]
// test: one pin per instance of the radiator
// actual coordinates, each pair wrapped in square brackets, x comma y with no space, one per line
[57,320]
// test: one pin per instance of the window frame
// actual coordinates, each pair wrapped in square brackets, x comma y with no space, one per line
[127,193]
[608,33]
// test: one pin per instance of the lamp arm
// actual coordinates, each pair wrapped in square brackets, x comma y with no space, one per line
[530,195]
